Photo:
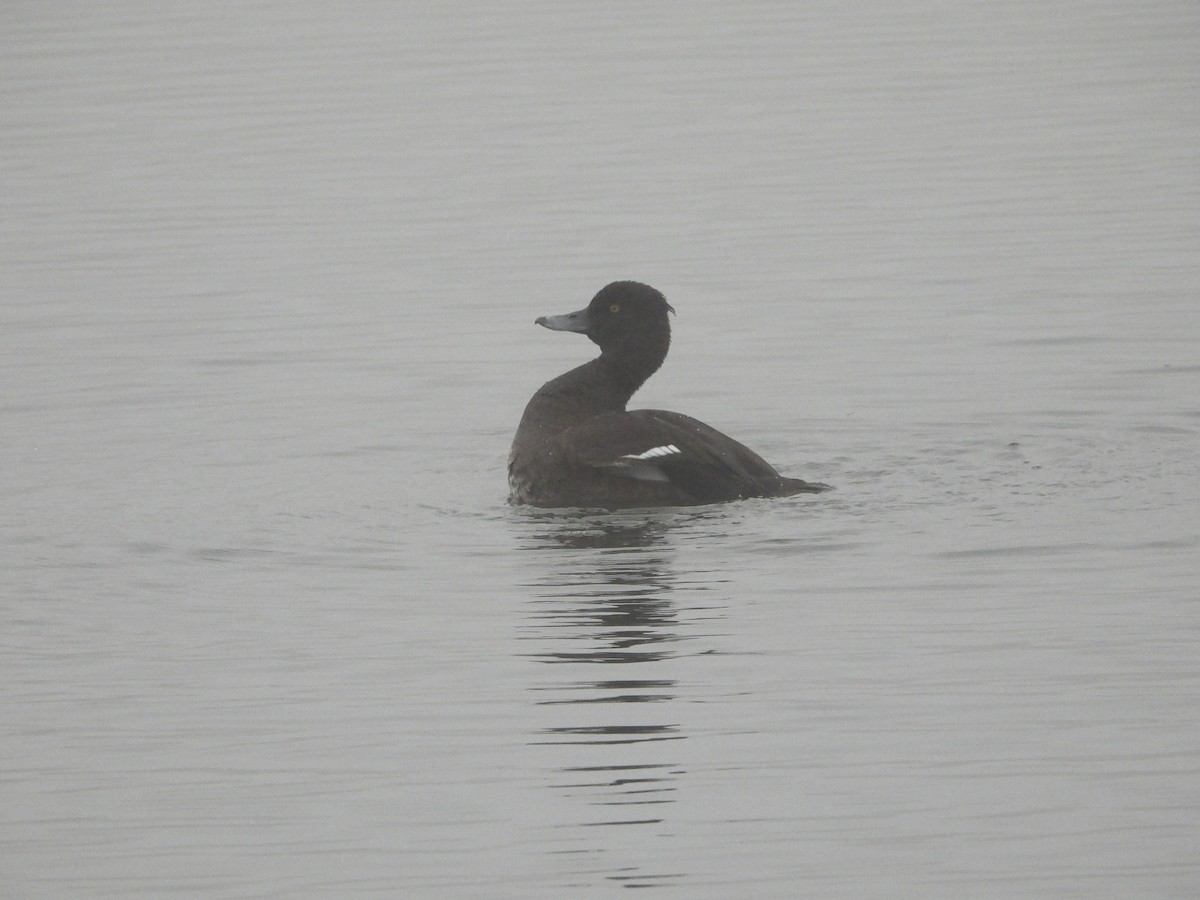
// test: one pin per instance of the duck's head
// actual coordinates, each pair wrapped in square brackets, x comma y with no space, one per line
[623,315]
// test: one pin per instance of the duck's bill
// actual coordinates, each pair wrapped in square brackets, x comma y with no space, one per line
[576,321]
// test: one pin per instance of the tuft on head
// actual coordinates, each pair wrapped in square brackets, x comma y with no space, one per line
[631,296]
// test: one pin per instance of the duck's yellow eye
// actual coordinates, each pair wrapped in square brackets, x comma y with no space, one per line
[616,307]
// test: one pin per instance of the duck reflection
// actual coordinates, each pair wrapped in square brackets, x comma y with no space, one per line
[603,597]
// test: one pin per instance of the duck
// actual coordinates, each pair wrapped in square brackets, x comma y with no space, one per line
[578,446]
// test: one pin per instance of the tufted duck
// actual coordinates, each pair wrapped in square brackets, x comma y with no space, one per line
[578,446]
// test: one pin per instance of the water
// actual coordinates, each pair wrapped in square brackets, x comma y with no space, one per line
[269,278]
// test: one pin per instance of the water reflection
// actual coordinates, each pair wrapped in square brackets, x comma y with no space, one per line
[603,597]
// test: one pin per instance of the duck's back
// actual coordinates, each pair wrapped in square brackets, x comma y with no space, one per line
[644,457]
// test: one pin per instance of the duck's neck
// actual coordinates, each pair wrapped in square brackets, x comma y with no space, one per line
[630,363]
[603,385]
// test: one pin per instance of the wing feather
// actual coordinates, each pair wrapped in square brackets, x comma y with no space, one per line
[657,445]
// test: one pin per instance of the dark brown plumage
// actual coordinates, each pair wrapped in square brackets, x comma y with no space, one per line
[577,446]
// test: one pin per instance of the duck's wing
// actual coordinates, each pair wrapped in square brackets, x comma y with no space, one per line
[662,446]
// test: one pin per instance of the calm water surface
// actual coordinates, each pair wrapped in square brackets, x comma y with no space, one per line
[269,279]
